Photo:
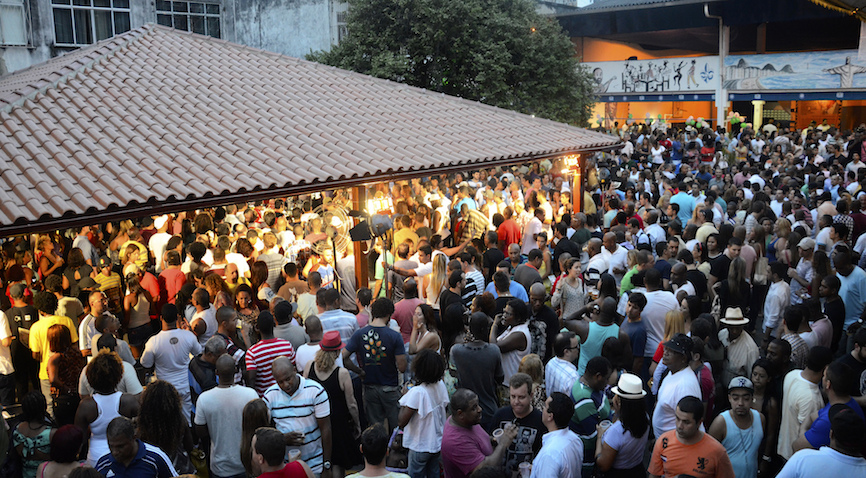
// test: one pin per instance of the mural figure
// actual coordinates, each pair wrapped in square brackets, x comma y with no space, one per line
[691,79]
[678,76]
[846,72]
[600,85]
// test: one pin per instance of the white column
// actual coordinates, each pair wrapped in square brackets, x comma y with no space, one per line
[758,114]
[721,91]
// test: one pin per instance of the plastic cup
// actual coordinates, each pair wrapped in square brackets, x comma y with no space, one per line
[497,434]
[294,454]
[525,469]
[605,424]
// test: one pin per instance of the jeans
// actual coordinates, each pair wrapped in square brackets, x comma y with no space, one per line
[45,387]
[7,390]
[382,403]
[423,465]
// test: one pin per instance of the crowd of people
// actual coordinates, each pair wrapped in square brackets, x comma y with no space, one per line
[701,317]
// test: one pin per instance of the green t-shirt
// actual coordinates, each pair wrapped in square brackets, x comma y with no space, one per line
[587,414]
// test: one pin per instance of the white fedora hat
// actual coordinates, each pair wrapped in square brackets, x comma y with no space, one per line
[734,316]
[630,386]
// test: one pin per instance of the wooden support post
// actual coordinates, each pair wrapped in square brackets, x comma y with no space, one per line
[359,203]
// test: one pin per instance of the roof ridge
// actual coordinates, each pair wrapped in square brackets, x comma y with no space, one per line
[45,83]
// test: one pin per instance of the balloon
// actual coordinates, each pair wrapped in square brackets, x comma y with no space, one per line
[630,121]
[598,116]
[629,116]
[690,122]
[700,119]
[660,116]
[735,120]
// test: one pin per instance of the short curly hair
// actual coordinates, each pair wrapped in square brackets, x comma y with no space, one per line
[45,302]
[104,372]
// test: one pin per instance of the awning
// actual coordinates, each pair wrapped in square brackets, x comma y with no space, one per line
[157,120]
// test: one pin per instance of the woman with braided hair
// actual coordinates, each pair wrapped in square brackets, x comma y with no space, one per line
[161,423]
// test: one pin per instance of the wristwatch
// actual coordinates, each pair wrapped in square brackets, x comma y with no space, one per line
[326,465]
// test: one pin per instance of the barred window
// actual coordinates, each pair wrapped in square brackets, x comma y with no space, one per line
[196,17]
[83,22]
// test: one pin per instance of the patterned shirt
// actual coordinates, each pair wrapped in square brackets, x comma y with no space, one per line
[300,412]
[799,350]
[560,376]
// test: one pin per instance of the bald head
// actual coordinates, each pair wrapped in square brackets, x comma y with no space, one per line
[225,368]
[314,328]
[514,247]
[608,309]
[282,365]
[537,289]
[609,241]
[594,246]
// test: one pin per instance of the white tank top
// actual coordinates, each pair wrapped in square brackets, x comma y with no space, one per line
[108,408]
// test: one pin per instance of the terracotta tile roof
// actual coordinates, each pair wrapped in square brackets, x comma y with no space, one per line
[157,119]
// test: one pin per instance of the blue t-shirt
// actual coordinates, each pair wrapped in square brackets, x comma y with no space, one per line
[636,332]
[377,349]
[818,434]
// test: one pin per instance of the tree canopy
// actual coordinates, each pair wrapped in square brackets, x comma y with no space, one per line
[499,52]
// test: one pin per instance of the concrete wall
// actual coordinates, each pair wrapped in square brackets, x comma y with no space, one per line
[290,27]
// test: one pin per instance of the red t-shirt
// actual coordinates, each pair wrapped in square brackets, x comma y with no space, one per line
[509,232]
[291,470]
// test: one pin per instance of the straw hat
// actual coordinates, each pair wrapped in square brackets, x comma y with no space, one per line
[734,316]
[630,387]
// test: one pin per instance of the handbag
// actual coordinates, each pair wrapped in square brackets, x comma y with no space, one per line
[762,270]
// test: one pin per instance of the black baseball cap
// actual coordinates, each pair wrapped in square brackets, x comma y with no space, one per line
[680,343]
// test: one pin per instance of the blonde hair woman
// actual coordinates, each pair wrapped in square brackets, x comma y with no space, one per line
[675,323]
[436,280]
[531,365]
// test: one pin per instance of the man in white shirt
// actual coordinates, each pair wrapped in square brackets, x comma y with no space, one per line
[562,450]
[682,382]
[218,418]
[159,241]
[7,379]
[560,373]
[533,227]
[778,297]
[616,255]
[801,397]
[169,352]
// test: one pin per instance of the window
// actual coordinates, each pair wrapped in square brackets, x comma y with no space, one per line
[13,23]
[196,17]
[339,19]
[83,22]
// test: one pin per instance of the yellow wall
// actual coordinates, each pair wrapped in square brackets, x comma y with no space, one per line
[595,49]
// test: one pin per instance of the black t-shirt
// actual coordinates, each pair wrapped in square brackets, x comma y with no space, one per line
[859,369]
[446,298]
[492,257]
[21,318]
[835,311]
[528,440]
[719,267]
[547,316]
[563,245]
[699,280]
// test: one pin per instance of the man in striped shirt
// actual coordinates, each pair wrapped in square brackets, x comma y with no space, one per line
[261,356]
[301,411]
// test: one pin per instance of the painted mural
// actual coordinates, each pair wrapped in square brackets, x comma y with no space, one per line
[823,70]
[668,75]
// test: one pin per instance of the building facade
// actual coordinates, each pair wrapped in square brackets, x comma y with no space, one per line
[794,62]
[33,31]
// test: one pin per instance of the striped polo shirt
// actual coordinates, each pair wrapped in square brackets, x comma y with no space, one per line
[298,413]
[260,357]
